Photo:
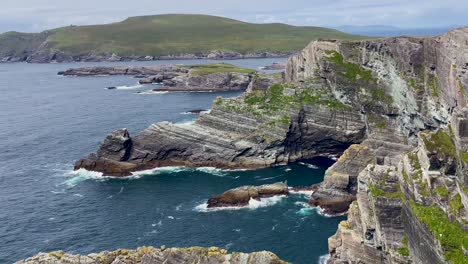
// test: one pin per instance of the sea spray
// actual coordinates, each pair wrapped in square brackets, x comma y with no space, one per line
[253,204]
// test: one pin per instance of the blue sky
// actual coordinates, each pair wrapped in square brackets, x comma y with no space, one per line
[38,15]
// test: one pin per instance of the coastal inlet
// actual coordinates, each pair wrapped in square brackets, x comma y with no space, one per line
[51,121]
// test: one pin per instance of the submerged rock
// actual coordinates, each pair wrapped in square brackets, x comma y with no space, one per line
[151,255]
[242,195]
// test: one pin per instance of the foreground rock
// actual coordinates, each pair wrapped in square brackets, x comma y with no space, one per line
[195,78]
[150,255]
[241,196]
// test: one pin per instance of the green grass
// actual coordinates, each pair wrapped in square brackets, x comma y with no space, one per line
[403,250]
[351,70]
[450,234]
[178,34]
[205,69]
[376,191]
[455,204]
[440,142]
[464,156]
[442,191]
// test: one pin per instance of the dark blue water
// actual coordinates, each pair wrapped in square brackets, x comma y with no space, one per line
[47,122]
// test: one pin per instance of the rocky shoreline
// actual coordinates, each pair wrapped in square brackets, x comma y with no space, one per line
[151,255]
[185,78]
[52,56]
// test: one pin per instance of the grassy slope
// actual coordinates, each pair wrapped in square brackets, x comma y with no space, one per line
[177,34]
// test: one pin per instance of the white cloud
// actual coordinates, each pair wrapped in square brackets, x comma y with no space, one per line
[36,15]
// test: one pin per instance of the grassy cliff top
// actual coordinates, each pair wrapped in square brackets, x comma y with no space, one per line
[178,34]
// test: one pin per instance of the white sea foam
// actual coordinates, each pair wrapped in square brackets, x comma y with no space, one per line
[128,87]
[75,177]
[212,171]
[82,175]
[154,92]
[308,165]
[323,259]
[306,193]
[253,204]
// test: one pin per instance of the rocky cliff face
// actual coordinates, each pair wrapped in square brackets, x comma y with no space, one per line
[258,129]
[406,181]
[398,108]
[151,255]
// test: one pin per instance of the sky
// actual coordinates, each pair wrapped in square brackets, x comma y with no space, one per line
[39,15]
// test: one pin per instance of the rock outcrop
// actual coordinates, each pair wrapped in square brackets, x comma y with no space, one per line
[241,196]
[151,255]
[195,78]
[256,130]
[406,182]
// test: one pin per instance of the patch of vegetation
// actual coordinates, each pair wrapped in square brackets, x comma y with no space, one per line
[379,95]
[455,204]
[205,69]
[405,176]
[442,191]
[352,71]
[173,34]
[461,87]
[418,174]
[434,86]
[450,235]
[378,121]
[440,142]
[403,250]
[376,191]
[464,156]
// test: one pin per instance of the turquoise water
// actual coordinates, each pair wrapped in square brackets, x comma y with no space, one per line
[48,122]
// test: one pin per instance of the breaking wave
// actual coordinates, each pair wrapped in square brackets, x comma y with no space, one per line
[308,165]
[128,87]
[253,204]
[323,259]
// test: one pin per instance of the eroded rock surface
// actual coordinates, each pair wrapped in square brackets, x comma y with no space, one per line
[406,181]
[151,255]
[242,195]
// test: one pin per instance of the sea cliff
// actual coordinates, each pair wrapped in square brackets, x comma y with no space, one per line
[394,108]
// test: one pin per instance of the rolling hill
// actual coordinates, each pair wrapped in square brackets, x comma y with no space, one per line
[162,35]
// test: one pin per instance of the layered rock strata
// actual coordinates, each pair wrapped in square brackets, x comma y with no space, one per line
[151,255]
[406,182]
[252,131]
[401,105]
[241,196]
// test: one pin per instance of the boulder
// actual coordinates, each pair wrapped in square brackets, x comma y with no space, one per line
[241,196]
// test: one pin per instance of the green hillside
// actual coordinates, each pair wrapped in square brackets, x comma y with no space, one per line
[177,34]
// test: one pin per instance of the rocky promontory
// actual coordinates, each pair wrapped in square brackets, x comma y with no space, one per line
[151,255]
[178,78]
[241,196]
